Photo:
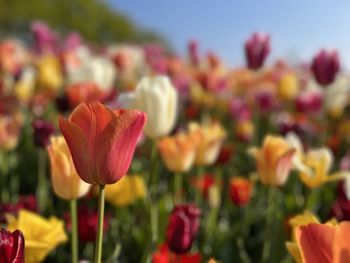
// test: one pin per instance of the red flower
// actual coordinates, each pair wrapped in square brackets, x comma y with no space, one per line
[240,191]
[84,92]
[11,246]
[102,141]
[182,228]
[325,66]
[42,132]
[257,48]
[203,183]
[164,255]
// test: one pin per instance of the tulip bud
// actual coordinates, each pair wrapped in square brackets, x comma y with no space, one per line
[257,48]
[65,180]
[240,191]
[288,87]
[11,246]
[42,132]
[325,66]
[193,52]
[158,98]
[183,227]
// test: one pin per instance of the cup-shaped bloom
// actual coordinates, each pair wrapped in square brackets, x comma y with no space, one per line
[182,228]
[240,191]
[324,242]
[274,160]
[11,246]
[41,235]
[42,132]
[288,87]
[49,73]
[178,152]
[102,142]
[127,191]
[325,66]
[158,98]
[65,180]
[257,48]
[210,138]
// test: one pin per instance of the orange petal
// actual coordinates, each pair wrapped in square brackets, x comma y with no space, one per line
[315,242]
[341,244]
[77,144]
[116,144]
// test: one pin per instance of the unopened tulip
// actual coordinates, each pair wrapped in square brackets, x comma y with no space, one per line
[257,48]
[182,228]
[210,139]
[274,160]
[102,141]
[288,87]
[65,180]
[158,98]
[325,66]
[41,235]
[240,191]
[49,73]
[178,152]
[42,132]
[11,246]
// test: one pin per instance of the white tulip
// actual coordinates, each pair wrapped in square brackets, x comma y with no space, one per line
[158,98]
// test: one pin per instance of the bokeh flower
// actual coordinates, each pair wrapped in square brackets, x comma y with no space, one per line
[240,191]
[157,97]
[127,191]
[325,66]
[257,48]
[42,132]
[41,235]
[274,160]
[65,181]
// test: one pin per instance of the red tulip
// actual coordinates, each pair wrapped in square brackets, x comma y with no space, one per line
[325,66]
[183,227]
[163,255]
[203,183]
[11,246]
[101,141]
[257,48]
[240,191]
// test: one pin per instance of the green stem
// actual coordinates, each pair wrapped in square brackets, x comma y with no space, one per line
[272,191]
[74,218]
[99,237]
[42,182]
[178,188]
[198,193]
[153,192]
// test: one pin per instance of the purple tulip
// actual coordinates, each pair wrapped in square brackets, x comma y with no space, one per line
[325,66]
[257,48]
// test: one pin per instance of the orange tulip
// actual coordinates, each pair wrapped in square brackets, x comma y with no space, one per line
[178,152]
[324,243]
[274,160]
[102,141]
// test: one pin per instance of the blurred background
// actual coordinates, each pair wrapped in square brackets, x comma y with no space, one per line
[298,28]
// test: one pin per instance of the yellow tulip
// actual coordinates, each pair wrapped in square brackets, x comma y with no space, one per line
[274,160]
[128,189]
[41,235]
[303,219]
[314,165]
[65,180]
[288,87]
[178,151]
[245,130]
[210,138]
[49,73]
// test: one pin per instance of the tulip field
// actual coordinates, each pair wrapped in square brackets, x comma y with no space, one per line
[129,153]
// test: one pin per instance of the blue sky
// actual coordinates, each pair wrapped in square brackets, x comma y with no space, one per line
[298,28]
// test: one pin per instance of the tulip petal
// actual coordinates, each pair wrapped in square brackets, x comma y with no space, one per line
[315,242]
[341,244]
[293,249]
[78,144]
[284,164]
[115,145]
